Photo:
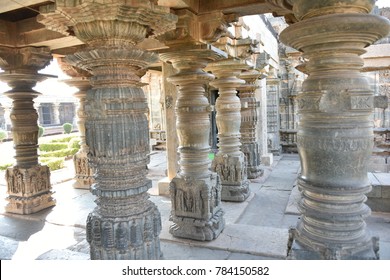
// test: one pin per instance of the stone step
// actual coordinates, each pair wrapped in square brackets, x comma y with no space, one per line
[245,239]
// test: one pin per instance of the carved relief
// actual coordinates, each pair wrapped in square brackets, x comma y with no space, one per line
[335,144]
[308,103]
[362,102]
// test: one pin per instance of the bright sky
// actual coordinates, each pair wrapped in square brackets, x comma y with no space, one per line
[383,3]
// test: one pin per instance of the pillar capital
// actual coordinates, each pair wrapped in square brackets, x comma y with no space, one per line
[194,29]
[27,59]
[113,22]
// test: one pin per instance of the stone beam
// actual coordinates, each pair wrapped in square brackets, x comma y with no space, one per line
[29,32]
[7,6]
[246,7]
[377,57]
[192,5]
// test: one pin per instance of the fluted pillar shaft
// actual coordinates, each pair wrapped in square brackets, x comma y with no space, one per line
[250,145]
[230,162]
[125,224]
[195,191]
[335,135]
[28,182]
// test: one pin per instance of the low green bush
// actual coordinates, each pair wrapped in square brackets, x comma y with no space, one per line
[5,166]
[60,153]
[53,163]
[41,130]
[74,143]
[3,135]
[63,139]
[67,128]
[49,147]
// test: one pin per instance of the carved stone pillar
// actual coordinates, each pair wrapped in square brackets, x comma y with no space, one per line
[28,182]
[335,135]
[230,162]
[56,113]
[195,191]
[80,80]
[250,145]
[125,224]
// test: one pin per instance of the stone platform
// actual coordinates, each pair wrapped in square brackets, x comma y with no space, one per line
[255,229]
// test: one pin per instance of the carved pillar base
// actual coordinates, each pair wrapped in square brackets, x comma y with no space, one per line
[190,198]
[129,237]
[83,171]
[368,250]
[252,154]
[232,171]
[28,189]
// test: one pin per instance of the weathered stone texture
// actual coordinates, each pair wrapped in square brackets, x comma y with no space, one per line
[195,191]
[230,162]
[28,182]
[125,224]
[335,135]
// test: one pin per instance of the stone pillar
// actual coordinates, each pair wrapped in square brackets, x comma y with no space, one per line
[170,95]
[335,134]
[56,113]
[250,145]
[28,182]
[80,80]
[230,162]
[195,191]
[125,224]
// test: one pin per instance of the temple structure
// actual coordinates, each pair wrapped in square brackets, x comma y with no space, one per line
[108,45]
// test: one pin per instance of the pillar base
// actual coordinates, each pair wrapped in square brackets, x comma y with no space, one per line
[163,186]
[198,230]
[232,170]
[254,172]
[28,189]
[196,210]
[368,251]
[133,237]
[251,152]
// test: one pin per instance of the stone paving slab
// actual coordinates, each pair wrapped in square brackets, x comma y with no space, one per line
[8,248]
[292,204]
[238,238]
[383,178]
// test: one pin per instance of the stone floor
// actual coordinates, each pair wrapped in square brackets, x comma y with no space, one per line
[255,229]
